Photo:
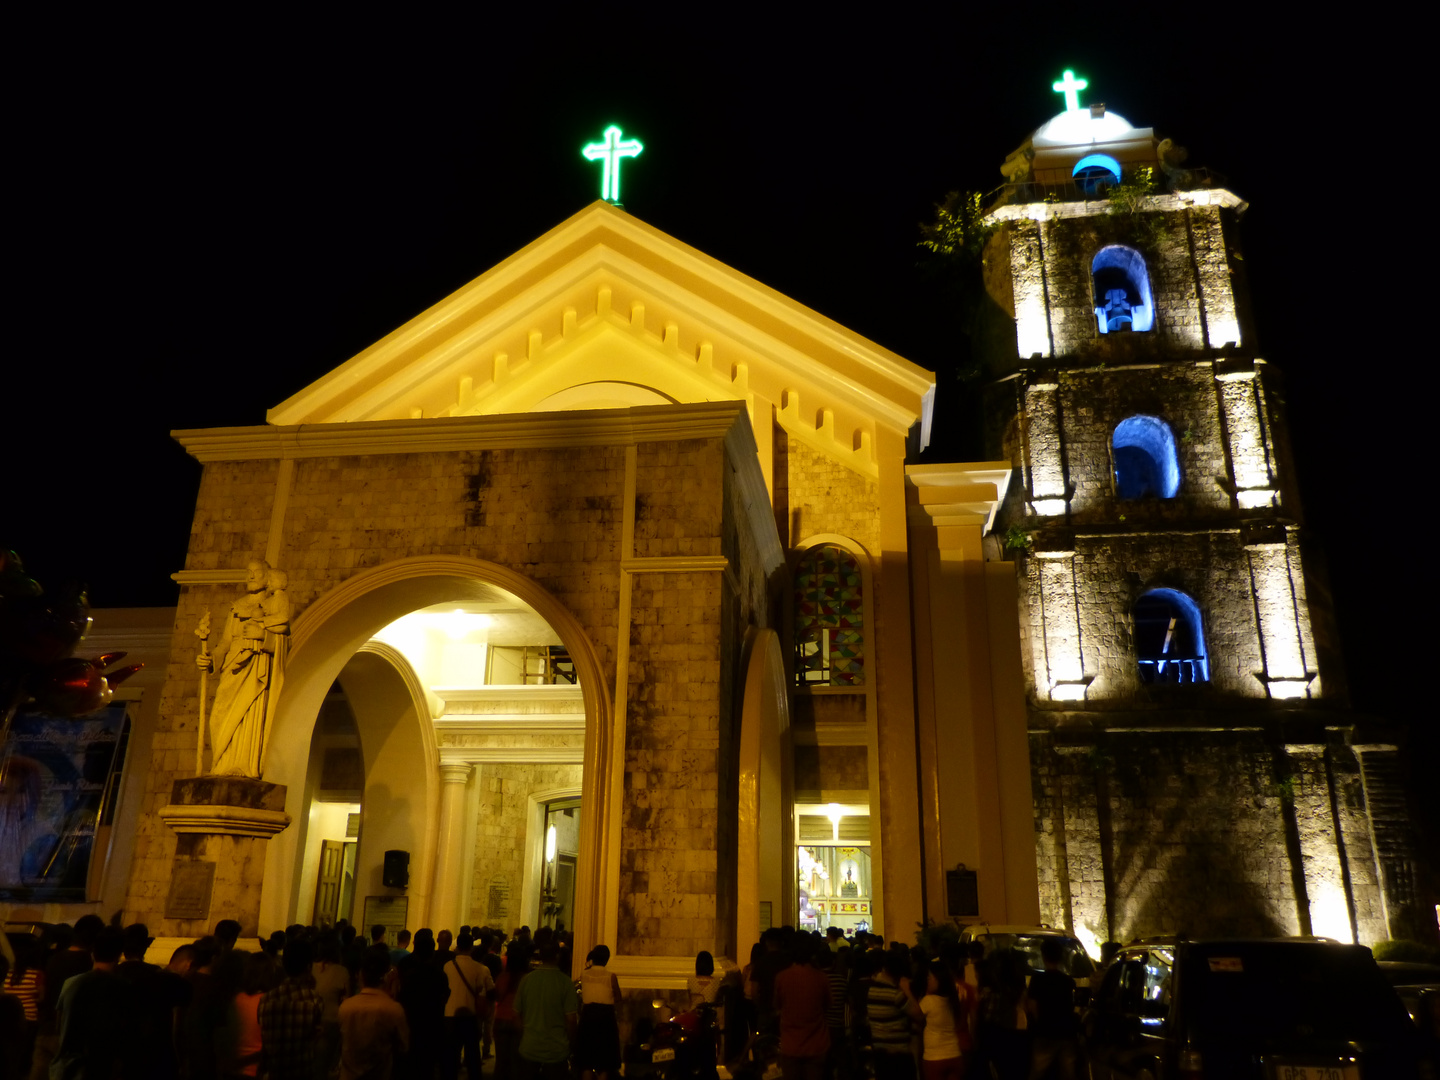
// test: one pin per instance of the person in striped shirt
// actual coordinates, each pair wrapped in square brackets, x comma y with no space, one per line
[891,1011]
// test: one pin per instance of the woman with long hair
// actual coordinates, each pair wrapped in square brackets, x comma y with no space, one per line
[597,1043]
[947,1025]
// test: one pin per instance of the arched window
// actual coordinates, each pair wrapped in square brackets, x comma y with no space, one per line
[1122,290]
[1145,461]
[1169,638]
[1095,172]
[829,618]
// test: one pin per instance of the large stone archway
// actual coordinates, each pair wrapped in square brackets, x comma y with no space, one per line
[338,624]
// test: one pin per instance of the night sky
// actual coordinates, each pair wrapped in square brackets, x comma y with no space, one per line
[205,217]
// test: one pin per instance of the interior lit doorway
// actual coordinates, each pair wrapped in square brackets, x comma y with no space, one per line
[561,833]
[832,855]
[335,781]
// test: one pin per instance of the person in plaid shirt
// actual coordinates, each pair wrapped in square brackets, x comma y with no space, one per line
[290,1018]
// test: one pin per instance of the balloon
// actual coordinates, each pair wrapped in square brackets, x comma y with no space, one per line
[13,579]
[41,630]
[119,675]
[70,687]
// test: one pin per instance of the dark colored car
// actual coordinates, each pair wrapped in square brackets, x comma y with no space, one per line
[1272,1009]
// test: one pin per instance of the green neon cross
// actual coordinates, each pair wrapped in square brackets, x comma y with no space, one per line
[610,152]
[1070,87]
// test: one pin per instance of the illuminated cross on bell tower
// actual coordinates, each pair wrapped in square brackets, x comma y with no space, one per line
[1070,87]
[610,152]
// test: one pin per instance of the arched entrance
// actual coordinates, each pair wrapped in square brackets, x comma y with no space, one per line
[325,643]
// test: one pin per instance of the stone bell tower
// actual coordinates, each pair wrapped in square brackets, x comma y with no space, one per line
[1194,766]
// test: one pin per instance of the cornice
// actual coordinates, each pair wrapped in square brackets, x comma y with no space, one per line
[520,755]
[224,820]
[1183,200]
[960,494]
[596,427]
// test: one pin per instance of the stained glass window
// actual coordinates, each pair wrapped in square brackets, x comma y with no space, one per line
[829,618]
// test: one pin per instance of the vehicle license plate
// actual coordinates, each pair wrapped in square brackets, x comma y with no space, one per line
[1338,1071]
[663,1055]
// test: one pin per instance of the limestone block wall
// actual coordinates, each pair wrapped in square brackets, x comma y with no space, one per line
[1146,833]
[819,495]
[552,514]
[1188,252]
[826,774]
[669,847]
[1092,402]
[1106,575]
[670,843]
[501,835]
[1222,417]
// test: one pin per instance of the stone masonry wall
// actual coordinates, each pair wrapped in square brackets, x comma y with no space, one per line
[500,835]
[1070,245]
[1218,833]
[1112,572]
[1093,401]
[552,514]
[1191,833]
[670,843]
[825,497]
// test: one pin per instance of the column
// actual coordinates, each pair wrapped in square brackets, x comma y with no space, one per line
[450,860]
[1084,845]
[1286,674]
[1331,913]
[1061,676]
[1244,426]
[1045,452]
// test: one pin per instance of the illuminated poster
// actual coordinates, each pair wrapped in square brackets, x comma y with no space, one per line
[54,775]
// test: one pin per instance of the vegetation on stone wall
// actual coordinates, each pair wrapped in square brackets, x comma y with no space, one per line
[958,243]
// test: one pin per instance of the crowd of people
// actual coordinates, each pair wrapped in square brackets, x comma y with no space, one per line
[84,1002]
[848,1009]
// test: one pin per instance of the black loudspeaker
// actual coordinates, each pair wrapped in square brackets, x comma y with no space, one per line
[397,869]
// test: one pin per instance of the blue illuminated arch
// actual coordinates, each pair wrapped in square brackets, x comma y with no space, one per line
[1145,460]
[1122,290]
[1095,171]
[1170,638]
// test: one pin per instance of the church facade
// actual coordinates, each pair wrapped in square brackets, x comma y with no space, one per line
[613,605]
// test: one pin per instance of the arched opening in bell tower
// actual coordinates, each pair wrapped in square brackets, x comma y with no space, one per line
[1122,290]
[1095,172]
[1170,638]
[1146,464]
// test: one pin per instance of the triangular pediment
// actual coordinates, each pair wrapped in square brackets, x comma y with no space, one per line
[605,311]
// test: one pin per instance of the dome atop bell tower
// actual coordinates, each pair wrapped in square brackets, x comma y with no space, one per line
[1082,140]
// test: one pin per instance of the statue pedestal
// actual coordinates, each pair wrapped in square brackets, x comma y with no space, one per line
[223,823]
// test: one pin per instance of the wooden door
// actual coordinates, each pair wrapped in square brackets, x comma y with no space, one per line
[328,881]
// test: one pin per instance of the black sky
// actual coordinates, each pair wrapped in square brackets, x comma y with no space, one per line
[206,216]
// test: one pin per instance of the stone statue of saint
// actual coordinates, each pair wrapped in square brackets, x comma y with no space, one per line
[252,663]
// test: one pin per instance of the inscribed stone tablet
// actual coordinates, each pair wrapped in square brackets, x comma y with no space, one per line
[498,908]
[190,887]
[391,912]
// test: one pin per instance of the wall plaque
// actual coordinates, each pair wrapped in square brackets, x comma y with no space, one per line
[497,909]
[190,887]
[962,892]
[387,911]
